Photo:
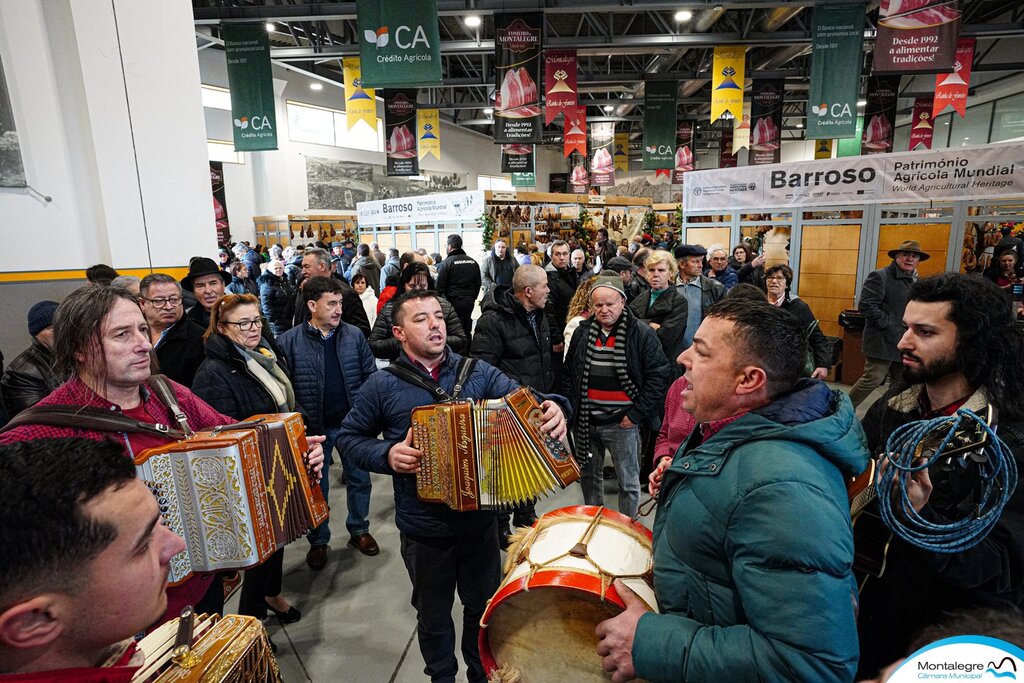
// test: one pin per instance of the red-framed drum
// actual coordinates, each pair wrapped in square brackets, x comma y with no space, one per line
[539,626]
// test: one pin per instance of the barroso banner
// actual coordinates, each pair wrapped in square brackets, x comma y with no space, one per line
[916,36]
[766,97]
[247,50]
[659,124]
[518,45]
[400,44]
[962,173]
[837,37]
[448,207]
[400,132]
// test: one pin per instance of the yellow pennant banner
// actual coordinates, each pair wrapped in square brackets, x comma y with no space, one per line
[823,149]
[428,133]
[741,130]
[727,81]
[360,102]
[621,155]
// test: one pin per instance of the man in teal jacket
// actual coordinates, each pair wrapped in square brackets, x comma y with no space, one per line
[752,541]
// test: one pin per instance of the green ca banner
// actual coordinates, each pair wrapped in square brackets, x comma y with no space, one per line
[659,125]
[399,43]
[837,39]
[247,50]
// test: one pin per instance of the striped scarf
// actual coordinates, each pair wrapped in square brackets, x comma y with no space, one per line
[581,431]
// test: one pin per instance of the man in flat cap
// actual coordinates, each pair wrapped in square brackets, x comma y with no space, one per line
[883,299]
[700,291]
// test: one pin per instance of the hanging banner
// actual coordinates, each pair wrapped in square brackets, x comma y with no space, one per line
[880,114]
[579,179]
[684,160]
[516,158]
[837,38]
[517,53]
[916,36]
[428,127]
[247,50]
[447,207]
[921,128]
[727,81]
[659,124]
[766,121]
[951,89]
[400,44]
[527,178]
[574,137]
[602,165]
[850,147]
[559,83]
[953,174]
[725,158]
[741,130]
[360,104]
[622,152]
[399,127]
[823,149]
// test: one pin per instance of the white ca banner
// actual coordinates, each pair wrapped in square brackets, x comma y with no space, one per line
[934,175]
[449,207]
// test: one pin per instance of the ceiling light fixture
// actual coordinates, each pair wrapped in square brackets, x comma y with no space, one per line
[316,86]
[608,109]
[683,15]
[862,103]
[473,21]
[799,125]
[270,27]
[488,111]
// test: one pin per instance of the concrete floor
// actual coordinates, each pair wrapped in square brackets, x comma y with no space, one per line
[357,624]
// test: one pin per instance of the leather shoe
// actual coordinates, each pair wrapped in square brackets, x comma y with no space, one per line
[365,544]
[504,537]
[289,617]
[316,558]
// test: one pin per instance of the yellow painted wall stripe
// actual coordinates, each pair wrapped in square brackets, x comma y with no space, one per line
[176,272]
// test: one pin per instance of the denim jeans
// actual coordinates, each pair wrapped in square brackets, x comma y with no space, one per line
[357,493]
[624,446]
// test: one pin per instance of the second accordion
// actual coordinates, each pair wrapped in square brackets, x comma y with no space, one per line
[487,455]
[235,494]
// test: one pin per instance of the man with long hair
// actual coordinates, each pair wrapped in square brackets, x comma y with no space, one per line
[962,348]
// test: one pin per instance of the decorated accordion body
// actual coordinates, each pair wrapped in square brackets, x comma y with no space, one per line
[485,455]
[235,494]
[229,649]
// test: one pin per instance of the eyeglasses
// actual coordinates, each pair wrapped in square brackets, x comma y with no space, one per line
[246,325]
[776,277]
[163,301]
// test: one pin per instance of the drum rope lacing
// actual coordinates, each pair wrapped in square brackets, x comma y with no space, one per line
[579,550]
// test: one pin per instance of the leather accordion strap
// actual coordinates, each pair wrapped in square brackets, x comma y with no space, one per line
[82,417]
[158,383]
[403,370]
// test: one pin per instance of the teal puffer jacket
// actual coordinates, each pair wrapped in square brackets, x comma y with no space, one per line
[753,549]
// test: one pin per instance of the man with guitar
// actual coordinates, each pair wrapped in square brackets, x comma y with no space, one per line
[961,348]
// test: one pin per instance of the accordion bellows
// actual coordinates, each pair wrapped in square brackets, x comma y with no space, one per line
[235,495]
[486,455]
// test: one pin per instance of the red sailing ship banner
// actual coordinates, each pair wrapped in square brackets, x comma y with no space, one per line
[559,83]
[518,45]
[880,114]
[574,139]
[921,125]
[684,160]
[952,88]
[916,36]
[602,163]
[766,121]
[400,129]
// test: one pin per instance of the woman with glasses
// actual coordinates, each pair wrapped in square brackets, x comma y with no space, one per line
[777,280]
[244,374]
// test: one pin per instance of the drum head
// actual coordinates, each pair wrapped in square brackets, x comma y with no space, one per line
[547,635]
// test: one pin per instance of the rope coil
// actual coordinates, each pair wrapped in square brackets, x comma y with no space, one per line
[995,468]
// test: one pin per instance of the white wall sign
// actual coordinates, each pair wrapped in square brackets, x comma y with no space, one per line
[449,207]
[947,174]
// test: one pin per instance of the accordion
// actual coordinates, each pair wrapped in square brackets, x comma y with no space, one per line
[208,649]
[235,494]
[487,455]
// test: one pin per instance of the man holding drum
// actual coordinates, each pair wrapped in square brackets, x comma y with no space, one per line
[752,540]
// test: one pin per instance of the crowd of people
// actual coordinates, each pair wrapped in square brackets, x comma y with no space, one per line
[696,372]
